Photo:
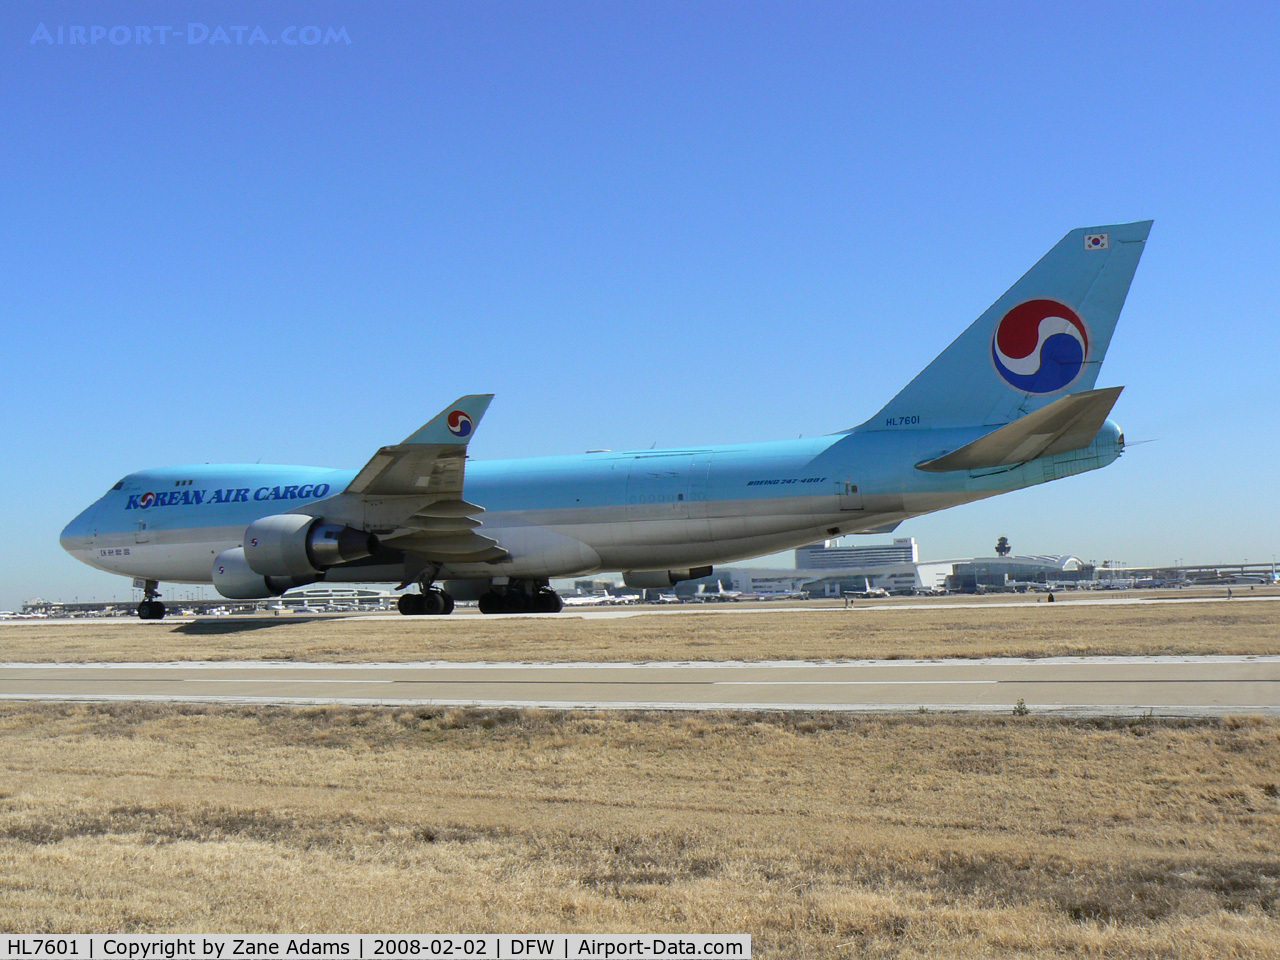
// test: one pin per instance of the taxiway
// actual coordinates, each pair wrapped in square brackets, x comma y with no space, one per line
[1161,686]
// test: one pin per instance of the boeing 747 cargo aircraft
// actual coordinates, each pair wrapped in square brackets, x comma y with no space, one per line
[1011,403]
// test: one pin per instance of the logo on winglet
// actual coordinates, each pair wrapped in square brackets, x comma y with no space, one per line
[459,423]
[1040,346]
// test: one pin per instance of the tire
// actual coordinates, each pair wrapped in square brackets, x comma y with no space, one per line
[516,601]
[490,603]
[433,603]
[547,600]
[448,603]
[411,604]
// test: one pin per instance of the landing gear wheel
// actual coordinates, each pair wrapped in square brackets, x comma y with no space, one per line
[433,603]
[151,610]
[547,600]
[490,603]
[412,604]
[448,603]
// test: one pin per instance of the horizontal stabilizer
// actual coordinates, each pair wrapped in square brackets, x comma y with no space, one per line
[1068,423]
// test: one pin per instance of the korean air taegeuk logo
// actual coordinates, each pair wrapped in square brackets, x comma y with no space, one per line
[459,423]
[1040,346]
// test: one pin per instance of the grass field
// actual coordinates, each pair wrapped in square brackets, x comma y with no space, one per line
[1029,629]
[822,836]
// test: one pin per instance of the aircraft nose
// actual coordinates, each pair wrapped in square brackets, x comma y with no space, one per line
[74,532]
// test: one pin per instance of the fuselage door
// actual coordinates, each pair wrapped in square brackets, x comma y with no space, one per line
[699,525]
[850,498]
[658,487]
[143,533]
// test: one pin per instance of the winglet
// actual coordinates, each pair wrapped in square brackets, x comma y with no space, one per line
[454,424]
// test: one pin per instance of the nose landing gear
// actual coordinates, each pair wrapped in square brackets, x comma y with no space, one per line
[150,608]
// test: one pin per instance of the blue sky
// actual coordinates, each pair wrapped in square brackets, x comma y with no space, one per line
[636,223]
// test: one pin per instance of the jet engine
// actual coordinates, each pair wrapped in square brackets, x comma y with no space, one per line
[296,545]
[657,579]
[236,580]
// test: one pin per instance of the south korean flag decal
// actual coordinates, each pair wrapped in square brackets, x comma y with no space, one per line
[1097,241]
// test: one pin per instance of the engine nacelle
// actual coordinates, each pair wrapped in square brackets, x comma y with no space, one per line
[657,579]
[296,545]
[236,580]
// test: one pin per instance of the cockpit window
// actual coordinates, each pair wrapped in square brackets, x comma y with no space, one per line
[119,485]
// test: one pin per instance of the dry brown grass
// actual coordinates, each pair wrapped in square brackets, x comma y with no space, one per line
[821,835]
[1028,630]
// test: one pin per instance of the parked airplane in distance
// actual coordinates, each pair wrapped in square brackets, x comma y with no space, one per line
[590,600]
[868,592]
[1011,403]
[718,595]
[777,595]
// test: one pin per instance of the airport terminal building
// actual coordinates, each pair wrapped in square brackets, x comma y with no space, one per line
[832,555]
[834,567]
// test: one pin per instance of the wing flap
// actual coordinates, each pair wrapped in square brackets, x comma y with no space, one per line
[457,548]
[442,525]
[1068,423]
[446,509]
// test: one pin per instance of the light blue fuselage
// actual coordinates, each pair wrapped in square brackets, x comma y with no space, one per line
[576,515]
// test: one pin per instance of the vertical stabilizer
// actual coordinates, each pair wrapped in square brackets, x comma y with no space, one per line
[1044,339]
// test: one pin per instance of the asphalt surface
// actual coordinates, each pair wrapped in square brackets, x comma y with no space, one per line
[1162,686]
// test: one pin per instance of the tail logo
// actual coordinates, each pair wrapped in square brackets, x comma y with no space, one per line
[459,423]
[1040,346]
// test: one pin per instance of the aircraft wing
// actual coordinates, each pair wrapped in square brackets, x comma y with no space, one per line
[1068,423]
[410,493]
[430,460]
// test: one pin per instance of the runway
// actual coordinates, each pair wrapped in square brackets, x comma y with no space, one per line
[607,612]
[1162,686]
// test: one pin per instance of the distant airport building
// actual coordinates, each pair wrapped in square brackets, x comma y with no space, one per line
[594,588]
[1002,572]
[832,569]
[900,578]
[833,555]
[332,597]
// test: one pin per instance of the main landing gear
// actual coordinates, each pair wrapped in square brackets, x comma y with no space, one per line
[150,608]
[519,597]
[432,602]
